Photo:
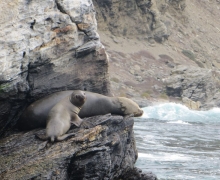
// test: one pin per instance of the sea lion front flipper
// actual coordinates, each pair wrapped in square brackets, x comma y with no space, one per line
[77,121]
[63,137]
[85,125]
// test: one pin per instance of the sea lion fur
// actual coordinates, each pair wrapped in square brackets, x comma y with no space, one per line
[62,115]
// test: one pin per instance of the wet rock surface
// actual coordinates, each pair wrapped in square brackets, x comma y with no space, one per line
[106,150]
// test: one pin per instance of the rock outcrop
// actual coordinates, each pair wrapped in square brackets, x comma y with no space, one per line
[47,46]
[106,150]
[197,85]
[139,18]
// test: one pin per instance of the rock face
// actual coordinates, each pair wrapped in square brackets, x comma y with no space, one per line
[47,46]
[191,104]
[131,18]
[106,150]
[194,84]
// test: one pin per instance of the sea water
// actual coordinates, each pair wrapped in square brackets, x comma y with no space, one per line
[176,143]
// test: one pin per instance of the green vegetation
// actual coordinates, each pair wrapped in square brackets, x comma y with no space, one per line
[3,87]
[189,54]
[164,96]
[114,79]
[181,31]
[197,42]
[125,31]
[200,64]
[146,94]
[122,94]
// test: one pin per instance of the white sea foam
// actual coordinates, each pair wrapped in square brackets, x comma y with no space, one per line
[177,112]
[179,122]
[164,157]
[143,155]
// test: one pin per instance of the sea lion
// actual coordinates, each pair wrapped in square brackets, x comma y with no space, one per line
[35,115]
[62,115]
[96,104]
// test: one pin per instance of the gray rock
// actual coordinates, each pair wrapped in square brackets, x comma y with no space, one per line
[196,84]
[191,104]
[137,174]
[131,18]
[106,150]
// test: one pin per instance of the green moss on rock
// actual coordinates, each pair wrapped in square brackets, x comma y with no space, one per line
[189,54]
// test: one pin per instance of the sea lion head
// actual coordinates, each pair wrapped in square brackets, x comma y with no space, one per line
[78,98]
[130,107]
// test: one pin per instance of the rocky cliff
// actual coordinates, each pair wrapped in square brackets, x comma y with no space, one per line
[47,46]
[148,41]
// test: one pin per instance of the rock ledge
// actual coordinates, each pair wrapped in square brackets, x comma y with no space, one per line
[106,150]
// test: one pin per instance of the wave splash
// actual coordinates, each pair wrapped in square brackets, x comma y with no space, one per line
[180,113]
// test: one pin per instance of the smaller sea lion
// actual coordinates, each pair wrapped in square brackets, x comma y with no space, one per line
[62,115]
[35,115]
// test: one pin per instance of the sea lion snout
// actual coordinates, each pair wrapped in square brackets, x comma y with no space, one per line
[81,97]
[139,113]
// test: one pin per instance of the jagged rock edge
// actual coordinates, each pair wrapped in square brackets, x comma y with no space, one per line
[61,9]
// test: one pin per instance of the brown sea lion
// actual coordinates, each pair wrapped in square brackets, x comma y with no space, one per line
[62,115]
[96,104]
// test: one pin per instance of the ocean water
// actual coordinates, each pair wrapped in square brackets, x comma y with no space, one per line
[176,143]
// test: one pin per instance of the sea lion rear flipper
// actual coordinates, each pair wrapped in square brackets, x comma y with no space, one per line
[63,137]
[43,138]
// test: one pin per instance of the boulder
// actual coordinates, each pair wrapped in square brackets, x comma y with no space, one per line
[191,104]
